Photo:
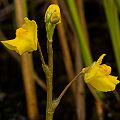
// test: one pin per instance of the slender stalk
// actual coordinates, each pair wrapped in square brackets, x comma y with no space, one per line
[48,69]
[63,92]
[50,57]
[52,17]
[49,112]
[41,55]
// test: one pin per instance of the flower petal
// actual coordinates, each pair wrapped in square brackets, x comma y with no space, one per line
[105,69]
[9,44]
[99,61]
[103,83]
[91,72]
[113,79]
[31,27]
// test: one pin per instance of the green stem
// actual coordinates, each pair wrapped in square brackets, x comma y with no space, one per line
[49,76]
[50,58]
[52,17]
[51,105]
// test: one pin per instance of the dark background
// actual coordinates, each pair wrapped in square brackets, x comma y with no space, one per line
[12,97]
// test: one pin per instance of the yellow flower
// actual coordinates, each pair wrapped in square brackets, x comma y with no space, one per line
[98,75]
[26,38]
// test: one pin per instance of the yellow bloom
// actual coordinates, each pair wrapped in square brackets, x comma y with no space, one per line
[99,76]
[26,38]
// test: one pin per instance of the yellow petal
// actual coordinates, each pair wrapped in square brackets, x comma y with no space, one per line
[105,68]
[113,79]
[102,82]
[91,72]
[31,27]
[99,61]
[93,68]
[9,45]
[26,38]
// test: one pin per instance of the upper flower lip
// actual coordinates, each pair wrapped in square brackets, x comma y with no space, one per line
[31,27]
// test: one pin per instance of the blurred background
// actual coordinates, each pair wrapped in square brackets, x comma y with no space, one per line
[88,29]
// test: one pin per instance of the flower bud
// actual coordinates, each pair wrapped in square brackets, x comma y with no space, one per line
[53,14]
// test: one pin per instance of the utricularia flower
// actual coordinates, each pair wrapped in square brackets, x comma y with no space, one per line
[98,76]
[26,38]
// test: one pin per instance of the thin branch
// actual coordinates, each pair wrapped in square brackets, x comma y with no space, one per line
[63,92]
[41,55]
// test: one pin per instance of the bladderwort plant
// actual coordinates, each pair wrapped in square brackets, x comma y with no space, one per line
[96,75]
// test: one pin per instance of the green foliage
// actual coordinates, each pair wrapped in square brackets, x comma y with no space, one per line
[118,4]
[86,54]
[114,28]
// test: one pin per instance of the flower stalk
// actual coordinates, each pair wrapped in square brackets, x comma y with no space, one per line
[52,17]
